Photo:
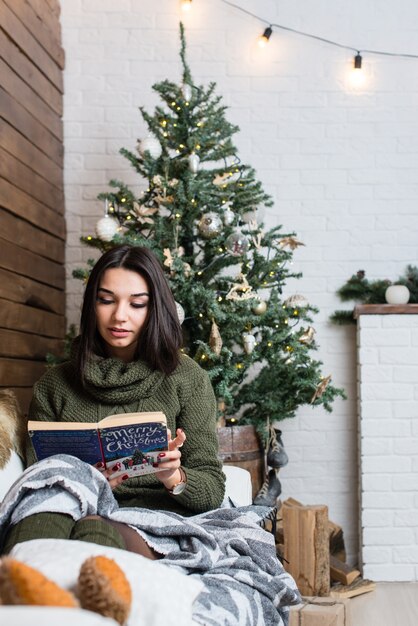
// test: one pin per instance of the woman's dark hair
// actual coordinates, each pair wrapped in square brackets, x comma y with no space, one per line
[161,336]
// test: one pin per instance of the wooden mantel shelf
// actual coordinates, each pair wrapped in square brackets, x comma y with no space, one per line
[385,309]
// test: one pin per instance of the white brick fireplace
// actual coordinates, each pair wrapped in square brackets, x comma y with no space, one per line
[388,439]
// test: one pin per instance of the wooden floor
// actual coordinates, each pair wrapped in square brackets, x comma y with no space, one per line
[390,604]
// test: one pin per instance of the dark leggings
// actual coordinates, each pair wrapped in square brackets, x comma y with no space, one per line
[93,528]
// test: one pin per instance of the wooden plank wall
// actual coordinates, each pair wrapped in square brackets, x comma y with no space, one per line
[32,233]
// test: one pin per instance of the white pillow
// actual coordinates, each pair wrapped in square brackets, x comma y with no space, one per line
[51,616]
[10,473]
[161,594]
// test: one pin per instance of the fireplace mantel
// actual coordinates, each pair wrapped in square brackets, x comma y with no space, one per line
[387,341]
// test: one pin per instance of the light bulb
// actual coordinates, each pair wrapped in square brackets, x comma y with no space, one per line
[186,5]
[357,77]
[264,38]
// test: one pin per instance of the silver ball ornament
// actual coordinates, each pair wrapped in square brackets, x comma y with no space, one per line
[150,145]
[210,225]
[106,228]
[237,243]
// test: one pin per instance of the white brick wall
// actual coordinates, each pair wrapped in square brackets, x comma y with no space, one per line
[341,166]
[388,420]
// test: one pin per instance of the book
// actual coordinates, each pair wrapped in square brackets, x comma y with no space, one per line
[128,443]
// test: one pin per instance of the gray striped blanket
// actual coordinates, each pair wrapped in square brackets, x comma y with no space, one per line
[244,582]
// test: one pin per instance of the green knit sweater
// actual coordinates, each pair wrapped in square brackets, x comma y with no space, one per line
[112,386]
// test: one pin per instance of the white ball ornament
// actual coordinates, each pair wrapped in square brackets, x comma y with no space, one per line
[187,92]
[397,294]
[194,163]
[228,217]
[237,243]
[106,228]
[150,145]
[210,225]
[180,313]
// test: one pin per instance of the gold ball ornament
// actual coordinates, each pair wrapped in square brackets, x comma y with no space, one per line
[260,307]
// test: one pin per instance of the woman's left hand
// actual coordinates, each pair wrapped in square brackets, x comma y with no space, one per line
[171,460]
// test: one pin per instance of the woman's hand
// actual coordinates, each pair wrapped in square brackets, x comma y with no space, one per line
[108,473]
[171,460]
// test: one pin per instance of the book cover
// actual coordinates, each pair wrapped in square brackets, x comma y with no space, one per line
[129,442]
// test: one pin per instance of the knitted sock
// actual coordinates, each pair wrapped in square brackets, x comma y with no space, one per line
[98,531]
[103,588]
[38,526]
[21,584]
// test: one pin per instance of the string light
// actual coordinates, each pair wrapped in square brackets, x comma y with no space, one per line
[357,77]
[272,26]
[264,38]
[186,5]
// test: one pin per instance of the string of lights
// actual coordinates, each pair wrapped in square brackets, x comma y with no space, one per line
[264,38]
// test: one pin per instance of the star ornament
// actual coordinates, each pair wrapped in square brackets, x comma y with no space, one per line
[143,213]
[290,242]
[321,388]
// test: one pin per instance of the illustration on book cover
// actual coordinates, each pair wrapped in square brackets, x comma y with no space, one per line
[133,448]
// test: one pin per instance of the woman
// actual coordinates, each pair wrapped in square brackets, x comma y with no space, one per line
[127,359]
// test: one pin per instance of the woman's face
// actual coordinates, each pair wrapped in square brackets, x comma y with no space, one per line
[121,311]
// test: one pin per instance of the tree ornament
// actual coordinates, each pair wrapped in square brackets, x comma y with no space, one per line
[228,216]
[221,179]
[240,290]
[187,91]
[308,336]
[215,339]
[290,242]
[180,313]
[151,145]
[143,213]
[194,162]
[210,225]
[106,228]
[321,388]
[259,307]
[237,243]
[249,342]
[296,301]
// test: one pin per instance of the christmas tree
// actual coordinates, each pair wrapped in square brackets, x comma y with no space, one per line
[200,215]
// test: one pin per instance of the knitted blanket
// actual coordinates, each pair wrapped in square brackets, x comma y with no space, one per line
[244,582]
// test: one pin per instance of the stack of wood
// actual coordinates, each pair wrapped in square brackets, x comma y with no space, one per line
[312,550]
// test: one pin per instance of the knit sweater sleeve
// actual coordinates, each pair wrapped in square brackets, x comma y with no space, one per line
[205,479]
[42,407]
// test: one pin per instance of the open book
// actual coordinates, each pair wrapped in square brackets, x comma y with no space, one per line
[128,442]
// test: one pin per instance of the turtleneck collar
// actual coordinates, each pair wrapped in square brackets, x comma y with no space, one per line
[113,381]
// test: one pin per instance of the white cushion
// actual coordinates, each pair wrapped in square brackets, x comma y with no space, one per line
[51,616]
[161,594]
[10,473]
[238,485]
